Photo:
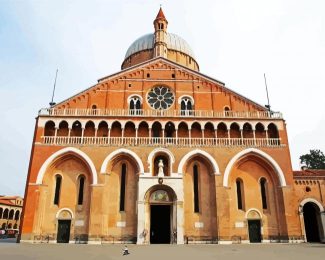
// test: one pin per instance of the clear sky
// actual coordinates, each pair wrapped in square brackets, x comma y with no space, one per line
[234,41]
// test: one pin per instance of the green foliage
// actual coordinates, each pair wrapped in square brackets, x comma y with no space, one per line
[315,159]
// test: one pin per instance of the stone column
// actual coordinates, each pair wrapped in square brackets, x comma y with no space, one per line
[254,135]
[55,135]
[136,135]
[163,135]
[190,137]
[241,136]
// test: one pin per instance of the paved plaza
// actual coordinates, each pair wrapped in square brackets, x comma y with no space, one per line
[14,251]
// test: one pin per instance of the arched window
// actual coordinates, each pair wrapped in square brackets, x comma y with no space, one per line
[186,106]
[1,211]
[240,194]
[3,226]
[49,129]
[76,129]
[58,181]
[15,226]
[135,105]
[81,190]
[10,226]
[196,188]
[123,183]
[263,193]
[11,214]
[17,215]
[5,214]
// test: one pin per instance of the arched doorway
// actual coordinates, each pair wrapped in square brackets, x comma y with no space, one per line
[162,208]
[311,215]
[254,226]
[64,225]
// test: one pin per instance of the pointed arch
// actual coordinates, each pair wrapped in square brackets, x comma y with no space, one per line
[259,153]
[122,151]
[198,152]
[61,152]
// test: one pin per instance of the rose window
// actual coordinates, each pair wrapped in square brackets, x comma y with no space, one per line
[160,98]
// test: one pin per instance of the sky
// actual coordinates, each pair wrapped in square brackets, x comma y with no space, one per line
[234,41]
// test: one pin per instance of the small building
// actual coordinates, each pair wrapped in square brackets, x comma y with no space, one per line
[10,211]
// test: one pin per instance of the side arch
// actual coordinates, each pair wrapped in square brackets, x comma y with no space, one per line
[63,151]
[198,152]
[122,151]
[259,153]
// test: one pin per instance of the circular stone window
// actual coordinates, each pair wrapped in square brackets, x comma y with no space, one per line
[160,97]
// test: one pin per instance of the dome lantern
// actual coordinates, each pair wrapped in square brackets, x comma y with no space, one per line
[160,44]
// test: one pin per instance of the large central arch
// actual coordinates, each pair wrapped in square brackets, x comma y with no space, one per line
[259,153]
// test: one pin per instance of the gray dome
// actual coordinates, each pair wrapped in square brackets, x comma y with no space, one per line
[146,42]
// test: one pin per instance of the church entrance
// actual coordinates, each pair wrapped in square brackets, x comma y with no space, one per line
[64,231]
[160,224]
[311,219]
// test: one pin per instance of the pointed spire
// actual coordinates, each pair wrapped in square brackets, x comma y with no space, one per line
[161,14]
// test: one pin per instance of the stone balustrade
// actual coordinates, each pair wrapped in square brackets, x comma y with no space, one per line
[158,113]
[162,141]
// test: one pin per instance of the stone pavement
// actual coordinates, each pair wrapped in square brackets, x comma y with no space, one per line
[167,252]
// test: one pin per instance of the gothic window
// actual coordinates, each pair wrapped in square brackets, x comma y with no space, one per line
[81,190]
[263,193]
[186,106]
[58,180]
[160,98]
[134,105]
[240,194]
[123,182]
[196,188]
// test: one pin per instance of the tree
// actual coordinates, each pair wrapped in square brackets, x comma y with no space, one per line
[315,159]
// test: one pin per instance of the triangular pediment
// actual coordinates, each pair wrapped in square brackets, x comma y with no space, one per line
[115,88]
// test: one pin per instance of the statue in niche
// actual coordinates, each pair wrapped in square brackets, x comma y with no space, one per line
[161,169]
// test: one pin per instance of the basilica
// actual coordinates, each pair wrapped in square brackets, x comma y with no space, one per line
[159,152]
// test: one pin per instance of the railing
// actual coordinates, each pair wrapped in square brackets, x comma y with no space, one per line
[157,113]
[159,141]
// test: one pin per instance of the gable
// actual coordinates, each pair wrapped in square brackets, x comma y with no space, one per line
[114,91]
